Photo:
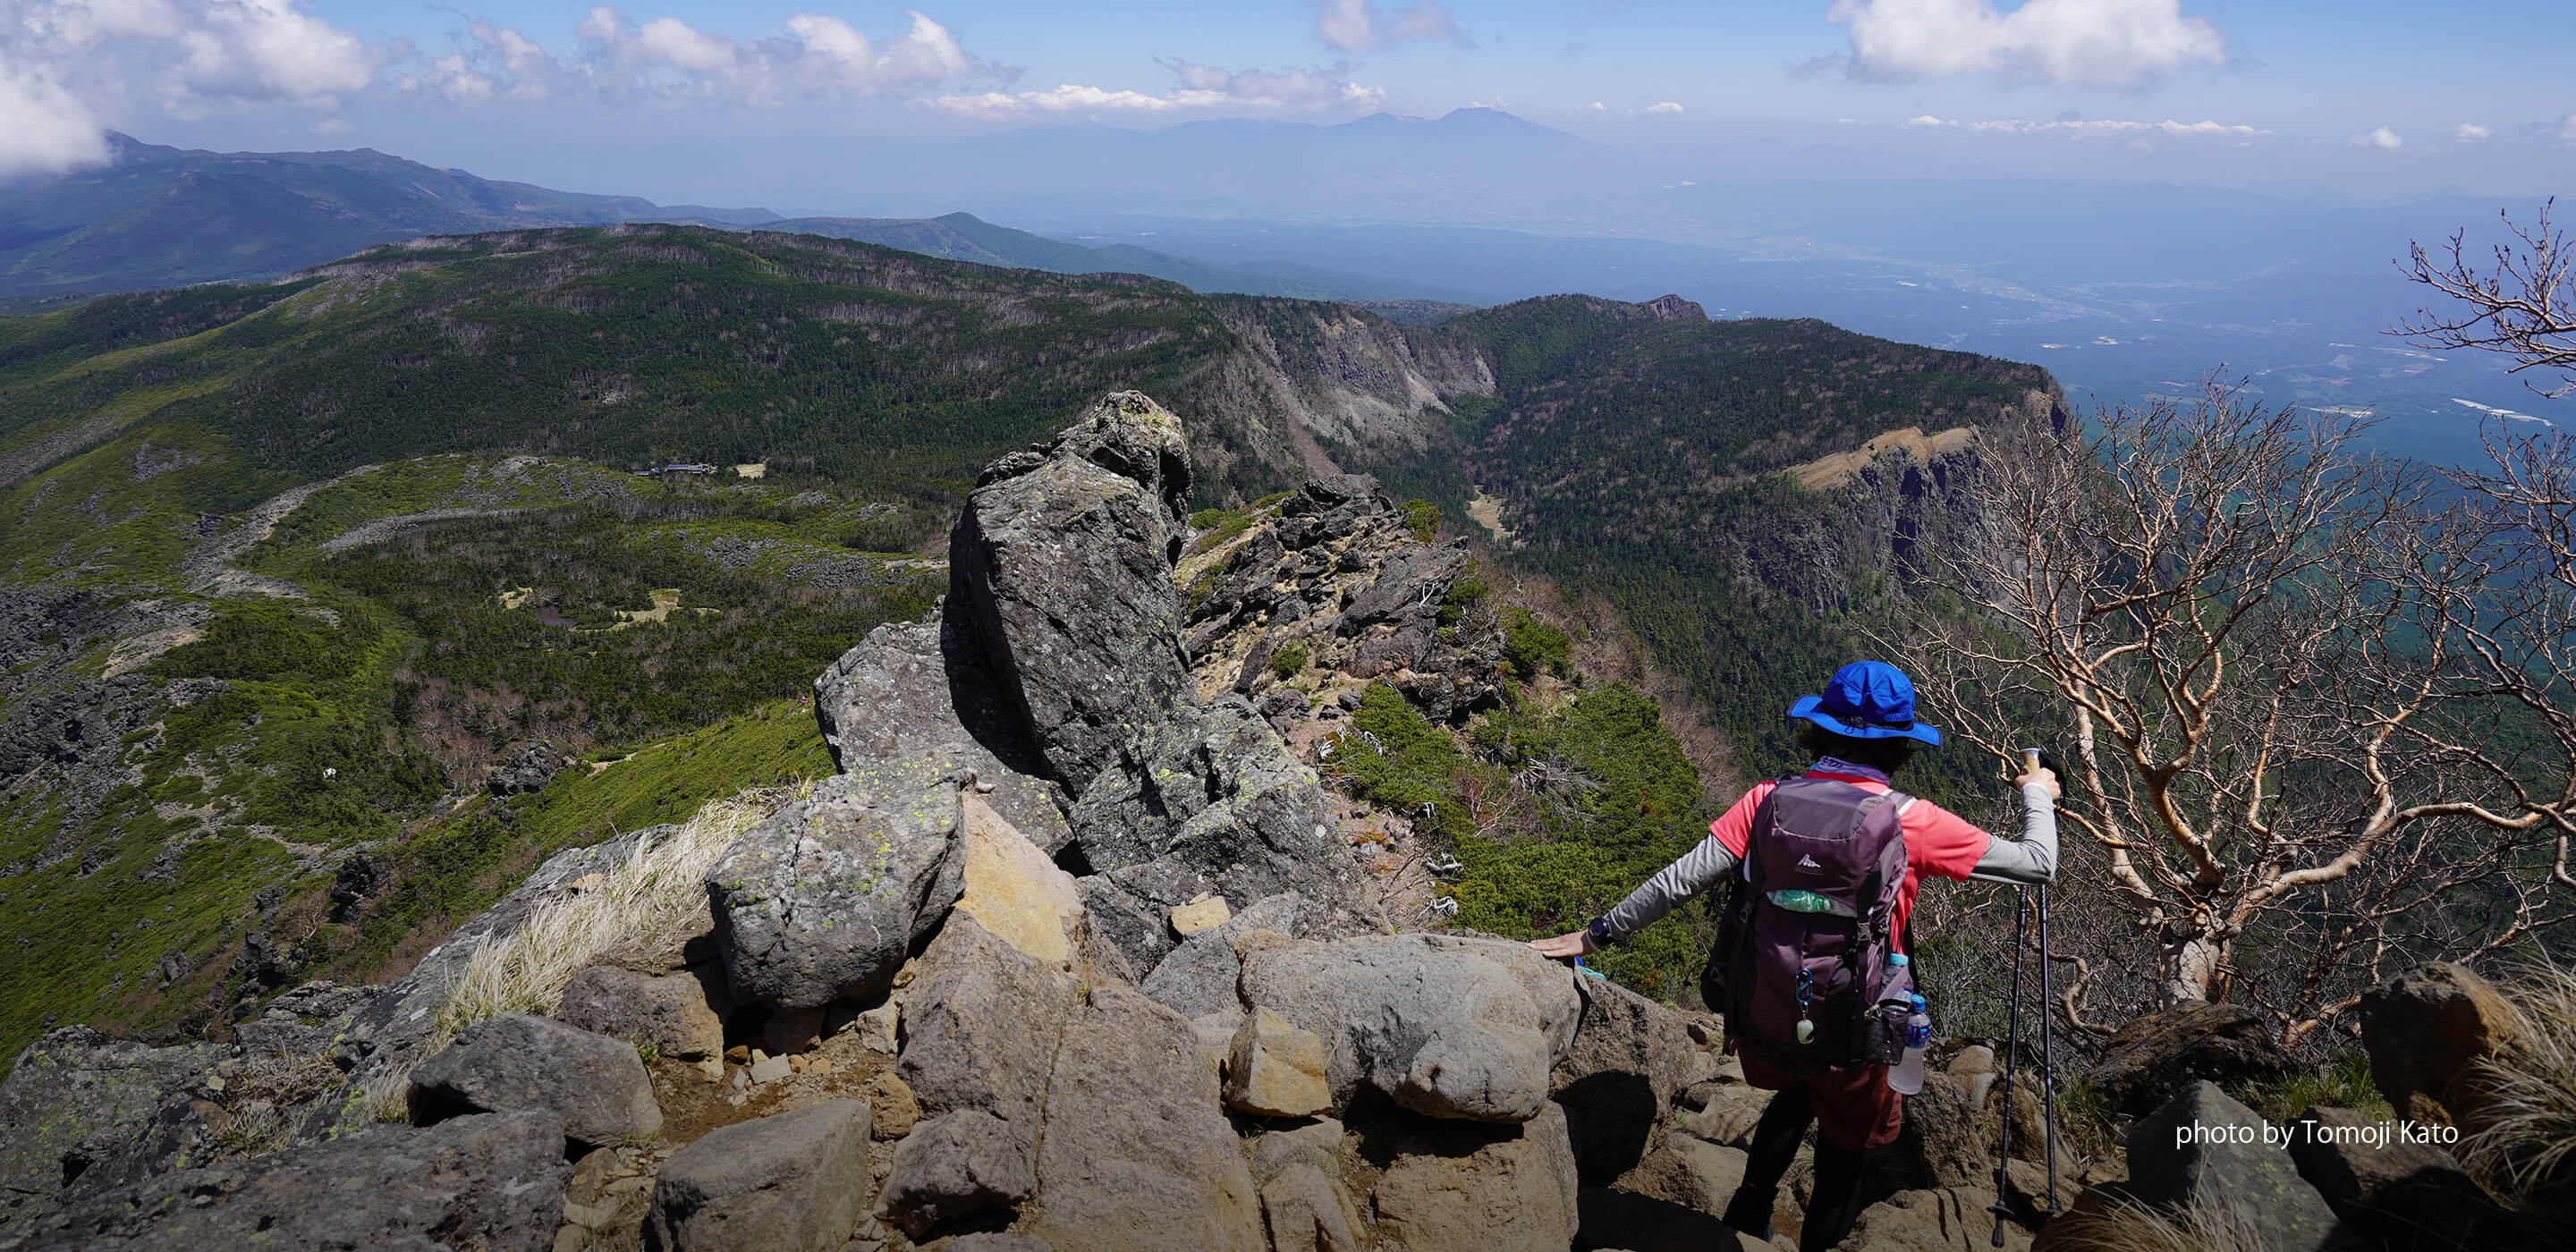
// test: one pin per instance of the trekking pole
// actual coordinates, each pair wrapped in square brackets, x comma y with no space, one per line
[2012,1063]
[2047,1057]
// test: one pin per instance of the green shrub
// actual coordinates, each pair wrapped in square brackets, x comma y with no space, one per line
[1288,661]
[1392,755]
[1422,517]
[1466,595]
[1220,527]
[1530,645]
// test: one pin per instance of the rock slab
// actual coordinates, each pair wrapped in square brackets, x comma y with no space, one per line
[2203,1148]
[515,1062]
[681,1014]
[794,1182]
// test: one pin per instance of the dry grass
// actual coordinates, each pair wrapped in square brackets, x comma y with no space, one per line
[658,889]
[2528,1146]
[2128,1226]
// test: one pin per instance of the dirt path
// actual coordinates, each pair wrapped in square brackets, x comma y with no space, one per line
[387,527]
[208,569]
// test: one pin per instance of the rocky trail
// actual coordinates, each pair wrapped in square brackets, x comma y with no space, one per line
[1076,953]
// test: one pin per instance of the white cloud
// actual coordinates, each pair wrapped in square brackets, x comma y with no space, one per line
[2470,132]
[1201,88]
[819,58]
[2566,131]
[1666,106]
[333,126]
[2379,137]
[2106,126]
[2111,42]
[1595,107]
[1927,122]
[64,66]
[1355,25]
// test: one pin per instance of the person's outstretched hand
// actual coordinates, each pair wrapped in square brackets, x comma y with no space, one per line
[1578,943]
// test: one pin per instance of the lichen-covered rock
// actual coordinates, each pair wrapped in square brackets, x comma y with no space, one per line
[1462,1187]
[913,690]
[1198,977]
[1060,574]
[825,898]
[513,1062]
[1448,1027]
[793,1182]
[493,1181]
[681,1015]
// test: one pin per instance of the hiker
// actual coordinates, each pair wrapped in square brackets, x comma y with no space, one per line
[1811,966]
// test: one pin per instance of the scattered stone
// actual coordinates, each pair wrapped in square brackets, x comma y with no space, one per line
[877,1028]
[824,898]
[1693,1173]
[1729,1115]
[895,1111]
[795,1181]
[486,1181]
[1198,977]
[770,1069]
[680,1014]
[2150,1060]
[514,1062]
[1275,1069]
[1199,914]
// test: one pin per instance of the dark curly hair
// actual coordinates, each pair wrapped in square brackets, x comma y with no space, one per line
[1884,755]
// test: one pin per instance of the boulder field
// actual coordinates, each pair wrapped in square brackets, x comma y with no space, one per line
[1069,955]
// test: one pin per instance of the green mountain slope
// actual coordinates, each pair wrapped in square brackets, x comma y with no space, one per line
[964,237]
[166,217]
[288,568]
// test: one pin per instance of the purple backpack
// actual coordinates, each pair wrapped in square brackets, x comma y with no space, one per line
[1774,966]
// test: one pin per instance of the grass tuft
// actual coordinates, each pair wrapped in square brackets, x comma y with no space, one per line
[2528,1146]
[656,890]
[2128,1226]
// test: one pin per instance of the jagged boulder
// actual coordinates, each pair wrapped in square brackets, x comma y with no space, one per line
[1447,1027]
[514,1061]
[493,1181]
[914,690]
[2203,1148]
[2151,1059]
[2426,1029]
[528,769]
[794,1182]
[825,898]
[1060,574]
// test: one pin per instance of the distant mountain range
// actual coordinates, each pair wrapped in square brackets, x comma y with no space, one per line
[164,217]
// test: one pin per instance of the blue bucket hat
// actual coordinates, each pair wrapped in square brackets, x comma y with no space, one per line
[1867,700]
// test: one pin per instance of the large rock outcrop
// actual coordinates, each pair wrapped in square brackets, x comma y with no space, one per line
[492,1181]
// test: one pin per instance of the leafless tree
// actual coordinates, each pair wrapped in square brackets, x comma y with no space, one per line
[2524,307]
[2317,701]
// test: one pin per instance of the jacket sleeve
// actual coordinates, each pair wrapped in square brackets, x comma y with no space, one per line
[1704,866]
[2033,859]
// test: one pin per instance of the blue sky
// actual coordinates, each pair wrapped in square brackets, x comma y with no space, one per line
[2371,95]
